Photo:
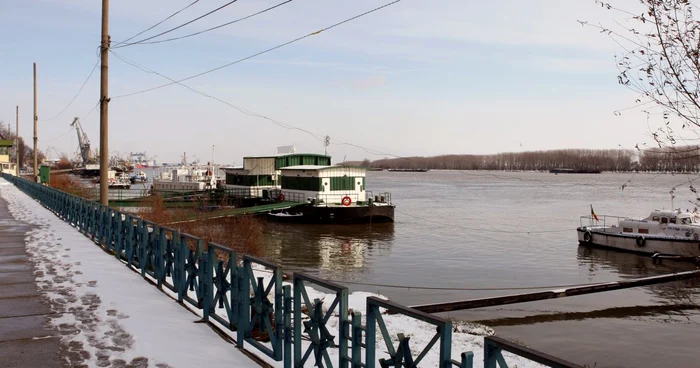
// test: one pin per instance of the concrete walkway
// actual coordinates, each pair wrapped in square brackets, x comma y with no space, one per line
[25,338]
[64,302]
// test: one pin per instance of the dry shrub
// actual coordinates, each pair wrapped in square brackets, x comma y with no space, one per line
[69,184]
[243,234]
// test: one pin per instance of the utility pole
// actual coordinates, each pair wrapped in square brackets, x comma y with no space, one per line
[36,152]
[17,142]
[104,101]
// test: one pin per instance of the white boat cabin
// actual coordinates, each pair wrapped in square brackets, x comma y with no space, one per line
[6,166]
[325,184]
[673,223]
[185,179]
[260,175]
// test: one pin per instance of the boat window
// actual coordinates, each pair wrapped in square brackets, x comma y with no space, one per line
[644,231]
[664,220]
[627,229]
[655,218]
[673,220]
[685,221]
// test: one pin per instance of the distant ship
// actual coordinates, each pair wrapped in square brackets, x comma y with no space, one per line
[408,170]
[574,171]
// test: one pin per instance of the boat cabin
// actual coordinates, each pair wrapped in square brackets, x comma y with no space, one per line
[259,175]
[658,221]
[6,166]
[324,184]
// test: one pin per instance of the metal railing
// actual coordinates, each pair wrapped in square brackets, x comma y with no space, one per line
[603,221]
[230,292]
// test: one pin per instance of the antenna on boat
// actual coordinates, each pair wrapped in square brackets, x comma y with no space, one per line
[326,143]
[672,196]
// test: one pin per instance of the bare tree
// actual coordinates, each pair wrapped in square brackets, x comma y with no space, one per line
[660,44]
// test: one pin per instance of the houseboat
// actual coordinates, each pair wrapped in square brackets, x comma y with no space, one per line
[317,191]
[6,166]
[665,233]
[186,179]
[331,195]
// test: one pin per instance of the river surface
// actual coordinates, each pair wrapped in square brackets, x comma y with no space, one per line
[485,230]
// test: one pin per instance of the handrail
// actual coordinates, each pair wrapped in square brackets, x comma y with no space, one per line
[233,296]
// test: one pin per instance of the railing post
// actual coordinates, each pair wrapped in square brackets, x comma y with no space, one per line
[180,249]
[159,266]
[244,311]
[286,290]
[490,352]
[298,285]
[356,340]
[206,283]
[446,345]
[119,238]
[343,358]
[371,336]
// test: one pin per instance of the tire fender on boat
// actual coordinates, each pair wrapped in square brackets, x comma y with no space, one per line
[588,237]
[281,197]
[640,241]
[347,201]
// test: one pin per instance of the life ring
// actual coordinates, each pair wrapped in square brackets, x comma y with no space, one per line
[640,241]
[347,201]
[587,237]
[281,197]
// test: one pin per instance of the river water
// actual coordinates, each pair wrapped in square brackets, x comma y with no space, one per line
[486,230]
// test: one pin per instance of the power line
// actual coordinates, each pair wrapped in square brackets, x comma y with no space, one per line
[423,287]
[77,93]
[157,24]
[71,128]
[208,29]
[240,109]
[261,52]
[180,26]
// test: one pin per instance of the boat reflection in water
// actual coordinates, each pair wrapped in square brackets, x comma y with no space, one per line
[328,250]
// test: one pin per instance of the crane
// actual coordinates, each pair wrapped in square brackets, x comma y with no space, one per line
[83,141]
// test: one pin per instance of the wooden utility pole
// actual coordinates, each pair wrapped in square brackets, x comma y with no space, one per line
[36,152]
[104,101]
[17,142]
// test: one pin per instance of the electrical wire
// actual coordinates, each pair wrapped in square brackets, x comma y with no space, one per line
[180,26]
[71,128]
[208,29]
[240,109]
[424,287]
[77,93]
[157,24]
[482,230]
[259,53]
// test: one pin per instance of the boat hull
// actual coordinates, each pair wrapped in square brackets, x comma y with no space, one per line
[334,215]
[650,245]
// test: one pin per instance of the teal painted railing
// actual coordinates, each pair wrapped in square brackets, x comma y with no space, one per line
[264,314]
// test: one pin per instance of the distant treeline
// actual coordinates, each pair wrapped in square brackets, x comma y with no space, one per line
[677,159]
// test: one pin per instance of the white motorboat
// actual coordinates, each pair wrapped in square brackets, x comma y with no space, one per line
[672,233]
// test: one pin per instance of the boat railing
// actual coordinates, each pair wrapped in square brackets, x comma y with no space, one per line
[602,221]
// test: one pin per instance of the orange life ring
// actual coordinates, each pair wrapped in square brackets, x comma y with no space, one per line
[281,197]
[347,201]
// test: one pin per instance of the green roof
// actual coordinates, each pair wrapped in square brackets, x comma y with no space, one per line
[6,143]
[289,155]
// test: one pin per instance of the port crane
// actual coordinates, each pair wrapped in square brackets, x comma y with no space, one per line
[83,141]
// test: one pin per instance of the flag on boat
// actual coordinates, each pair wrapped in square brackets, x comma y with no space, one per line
[593,214]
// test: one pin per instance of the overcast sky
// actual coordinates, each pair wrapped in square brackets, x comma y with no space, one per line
[417,78]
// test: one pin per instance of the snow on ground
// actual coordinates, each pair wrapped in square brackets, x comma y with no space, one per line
[118,314]
[105,312]
[465,336]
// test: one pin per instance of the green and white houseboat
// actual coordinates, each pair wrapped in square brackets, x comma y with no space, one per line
[327,193]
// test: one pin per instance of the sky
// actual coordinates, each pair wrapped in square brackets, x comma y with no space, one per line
[417,78]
